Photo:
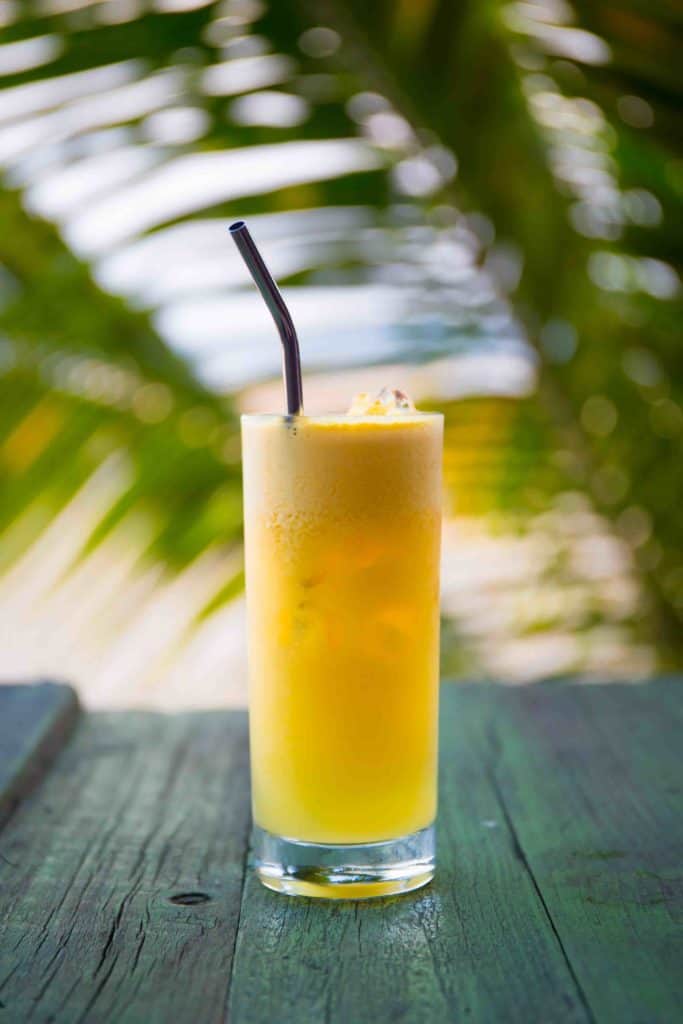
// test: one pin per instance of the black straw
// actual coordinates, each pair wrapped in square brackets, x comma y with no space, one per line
[279,312]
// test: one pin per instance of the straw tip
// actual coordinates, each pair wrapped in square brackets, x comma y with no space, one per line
[238,225]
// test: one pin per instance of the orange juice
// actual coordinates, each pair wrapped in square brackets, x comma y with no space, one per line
[342,532]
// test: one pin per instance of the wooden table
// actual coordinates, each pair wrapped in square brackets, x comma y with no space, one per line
[127,897]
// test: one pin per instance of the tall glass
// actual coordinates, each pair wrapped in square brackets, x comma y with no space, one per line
[342,526]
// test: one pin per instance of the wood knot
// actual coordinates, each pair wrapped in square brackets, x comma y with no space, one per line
[189,899]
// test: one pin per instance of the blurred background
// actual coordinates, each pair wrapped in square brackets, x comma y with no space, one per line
[476,201]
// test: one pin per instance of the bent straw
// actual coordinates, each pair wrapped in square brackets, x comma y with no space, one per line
[279,312]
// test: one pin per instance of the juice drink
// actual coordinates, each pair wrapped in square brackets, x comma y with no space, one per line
[342,527]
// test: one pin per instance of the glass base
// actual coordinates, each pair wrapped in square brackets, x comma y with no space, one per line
[359,871]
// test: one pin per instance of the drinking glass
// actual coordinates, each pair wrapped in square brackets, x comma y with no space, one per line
[342,535]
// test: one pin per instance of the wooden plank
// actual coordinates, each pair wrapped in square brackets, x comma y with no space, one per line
[557,896]
[591,778]
[35,722]
[476,945]
[122,874]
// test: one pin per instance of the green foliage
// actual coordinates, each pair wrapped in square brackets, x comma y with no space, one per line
[87,378]
[502,96]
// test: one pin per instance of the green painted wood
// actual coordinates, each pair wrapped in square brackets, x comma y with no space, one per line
[121,875]
[35,722]
[476,945]
[123,895]
[592,778]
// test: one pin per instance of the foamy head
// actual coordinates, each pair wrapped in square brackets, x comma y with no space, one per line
[363,464]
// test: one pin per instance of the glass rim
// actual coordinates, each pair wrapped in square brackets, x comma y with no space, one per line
[343,417]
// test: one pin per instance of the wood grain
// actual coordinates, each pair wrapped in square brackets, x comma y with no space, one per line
[592,778]
[35,722]
[557,897]
[476,945]
[122,874]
